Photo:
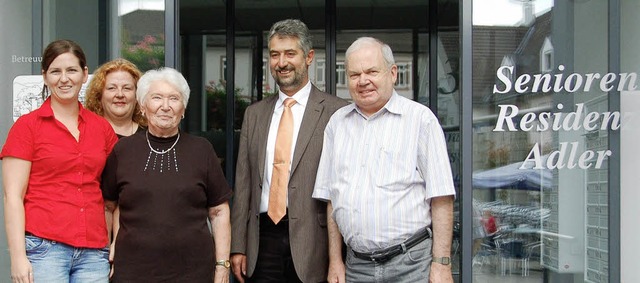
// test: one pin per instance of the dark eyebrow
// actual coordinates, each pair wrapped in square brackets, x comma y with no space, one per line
[285,51]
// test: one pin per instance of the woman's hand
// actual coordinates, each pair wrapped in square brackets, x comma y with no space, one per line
[112,254]
[221,274]
[15,177]
[21,270]
[221,226]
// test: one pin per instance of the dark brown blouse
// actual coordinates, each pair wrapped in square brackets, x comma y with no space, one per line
[164,201]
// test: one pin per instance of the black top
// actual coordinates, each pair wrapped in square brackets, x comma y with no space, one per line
[164,200]
[140,129]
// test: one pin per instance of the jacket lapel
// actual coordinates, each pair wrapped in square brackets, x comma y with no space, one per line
[262,132]
[312,114]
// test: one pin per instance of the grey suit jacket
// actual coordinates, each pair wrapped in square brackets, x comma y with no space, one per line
[307,217]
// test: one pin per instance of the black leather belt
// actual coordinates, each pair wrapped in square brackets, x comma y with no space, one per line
[390,252]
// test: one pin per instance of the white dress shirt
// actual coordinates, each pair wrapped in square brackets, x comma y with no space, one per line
[380,172]
[301,97]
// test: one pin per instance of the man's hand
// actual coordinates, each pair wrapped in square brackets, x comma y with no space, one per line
[336,272]
[440,273]
[239,266]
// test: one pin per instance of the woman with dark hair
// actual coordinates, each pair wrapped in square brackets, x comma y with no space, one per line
[112,95]
[51,165]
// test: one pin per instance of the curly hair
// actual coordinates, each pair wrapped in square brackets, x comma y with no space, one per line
[93,96]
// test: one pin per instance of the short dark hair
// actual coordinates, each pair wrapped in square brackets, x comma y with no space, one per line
[57,48]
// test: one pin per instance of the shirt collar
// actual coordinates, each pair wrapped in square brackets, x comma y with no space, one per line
[301,97]
[46,111]
[392,106]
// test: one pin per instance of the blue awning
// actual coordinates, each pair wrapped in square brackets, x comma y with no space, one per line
[512,177]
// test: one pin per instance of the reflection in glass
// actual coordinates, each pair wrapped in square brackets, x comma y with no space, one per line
[550,209]
[139,29]
[75,20]
[448,115]
[215,92]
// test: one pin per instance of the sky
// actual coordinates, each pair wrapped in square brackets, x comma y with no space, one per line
[504,12]
[128,6]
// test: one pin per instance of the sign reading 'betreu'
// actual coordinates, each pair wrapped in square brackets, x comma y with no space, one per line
[509,118]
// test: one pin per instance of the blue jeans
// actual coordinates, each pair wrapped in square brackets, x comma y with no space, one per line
[410,267]
[55,262]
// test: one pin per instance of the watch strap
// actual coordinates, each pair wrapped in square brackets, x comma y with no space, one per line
[445,260]
[224,263]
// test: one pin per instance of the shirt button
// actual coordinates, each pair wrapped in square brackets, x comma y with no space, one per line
[82,210]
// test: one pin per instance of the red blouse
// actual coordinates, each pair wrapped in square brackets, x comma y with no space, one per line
[63,201]
[490,225]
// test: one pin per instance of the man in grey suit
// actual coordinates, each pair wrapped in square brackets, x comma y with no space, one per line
[292,248]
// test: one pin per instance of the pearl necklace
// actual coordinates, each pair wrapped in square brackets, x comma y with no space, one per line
[162,151]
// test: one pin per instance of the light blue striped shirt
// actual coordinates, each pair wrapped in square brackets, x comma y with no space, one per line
[380,172]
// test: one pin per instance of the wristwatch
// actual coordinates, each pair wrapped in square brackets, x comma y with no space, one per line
[223,263]
[445,260]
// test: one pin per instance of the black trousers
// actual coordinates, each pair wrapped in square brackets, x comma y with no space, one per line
[275,264]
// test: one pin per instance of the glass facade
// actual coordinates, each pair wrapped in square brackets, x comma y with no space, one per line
[537,99]
[55,24]
[137,33]
[547,126]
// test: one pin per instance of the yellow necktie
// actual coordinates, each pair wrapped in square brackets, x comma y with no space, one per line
[281,163]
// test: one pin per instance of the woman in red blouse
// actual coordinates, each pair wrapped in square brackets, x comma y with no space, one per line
[51,166]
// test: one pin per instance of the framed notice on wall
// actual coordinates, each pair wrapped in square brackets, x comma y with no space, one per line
[27,95]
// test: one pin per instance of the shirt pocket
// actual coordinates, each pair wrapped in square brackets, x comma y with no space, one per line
[393,168]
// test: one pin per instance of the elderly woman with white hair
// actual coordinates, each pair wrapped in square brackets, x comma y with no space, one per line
[166,184]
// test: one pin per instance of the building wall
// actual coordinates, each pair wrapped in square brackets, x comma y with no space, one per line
[16,41]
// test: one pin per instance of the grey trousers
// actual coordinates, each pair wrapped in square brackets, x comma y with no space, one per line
[411,266]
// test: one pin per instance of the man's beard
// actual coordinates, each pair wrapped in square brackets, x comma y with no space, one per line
[289,82]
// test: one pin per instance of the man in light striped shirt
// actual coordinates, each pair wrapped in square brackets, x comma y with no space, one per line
[385,174]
